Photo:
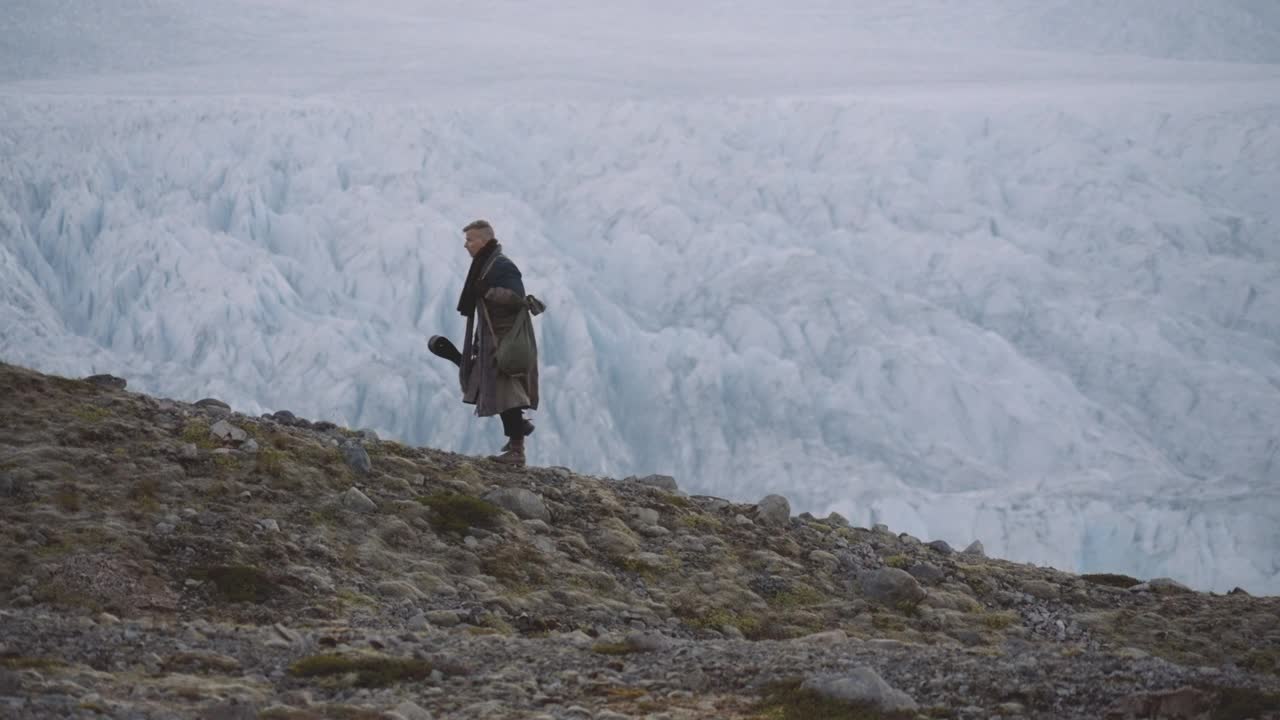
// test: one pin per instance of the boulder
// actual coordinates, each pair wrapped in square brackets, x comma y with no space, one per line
[862,685]
[774,511]
[526,504]
[111,382]
[891,587]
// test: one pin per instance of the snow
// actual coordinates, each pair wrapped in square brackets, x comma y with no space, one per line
[1009,273]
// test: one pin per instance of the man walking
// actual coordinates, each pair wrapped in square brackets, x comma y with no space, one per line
[492,300]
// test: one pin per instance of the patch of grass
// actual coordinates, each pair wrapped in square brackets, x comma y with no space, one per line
[703,522]
[67,498]
[458,513]
[327,515]
[239,583]
[1000,620]
[197,433]
[1262,661]
[902,562]
[798,596]
[673,500]
[355,598]
[1241,703]
[226,462]
[786,700]
[145,494]
[270,461]
[20,662]
[391,447]
[624,693]
[612,649]
[90,413]
[747,623]
[515,565]
[369,670]
[1111,579]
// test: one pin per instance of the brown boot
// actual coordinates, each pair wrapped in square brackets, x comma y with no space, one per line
[512,452]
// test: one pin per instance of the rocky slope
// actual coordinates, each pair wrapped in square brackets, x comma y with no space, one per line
[164,559]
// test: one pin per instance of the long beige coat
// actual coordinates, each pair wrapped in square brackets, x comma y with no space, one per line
[482,385]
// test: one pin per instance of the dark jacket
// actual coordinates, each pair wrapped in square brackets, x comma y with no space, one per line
[482,385]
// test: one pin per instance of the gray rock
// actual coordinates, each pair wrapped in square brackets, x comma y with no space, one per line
[223,430]
[881,528]
[444,618]
[1167,586]
[647,641]
[662,482]
[941,546]
[356,458]
[250,446]
[742,520]
[355,500]
[10,683]
[418,622]
[189,451]
[645,516]
[975,549]
[927,573]
[774,510]
[526,505]
[164,528]
[284,417]
[368,435]
[230,710]
[837,520]
[110,382]
[269,525]
[862,685]
[891,587]
[213,407]
[830,637]
[8,486]
[1041,589]
[410,711]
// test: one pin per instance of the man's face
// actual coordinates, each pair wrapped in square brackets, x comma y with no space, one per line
[475,239]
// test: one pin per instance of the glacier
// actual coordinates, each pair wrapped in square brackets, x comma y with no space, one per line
[1010,275]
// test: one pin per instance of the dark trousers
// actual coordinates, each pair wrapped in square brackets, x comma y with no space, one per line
[512,422]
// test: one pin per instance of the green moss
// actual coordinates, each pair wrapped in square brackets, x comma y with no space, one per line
[457,513]
[369,670]
[746,622]
[197,433]
[239,583]
[699,521]
[392,447]
[787,701]
[902,562]
[19,662]
[798,596]
[1111,579]
[90,413]
[353,597]
[270,462]
[673,500]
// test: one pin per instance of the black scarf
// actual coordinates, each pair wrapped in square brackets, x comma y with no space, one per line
[471,291]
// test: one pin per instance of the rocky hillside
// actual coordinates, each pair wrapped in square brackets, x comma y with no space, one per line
[163,560]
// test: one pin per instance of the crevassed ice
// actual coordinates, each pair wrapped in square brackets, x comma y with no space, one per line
[1055,330]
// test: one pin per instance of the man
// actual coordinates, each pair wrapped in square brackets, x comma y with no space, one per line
[492,299]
